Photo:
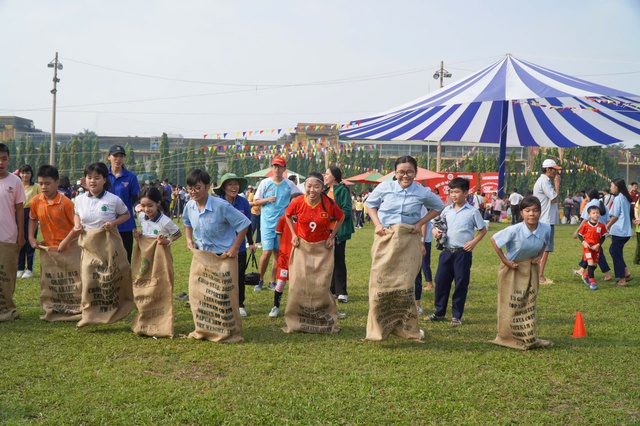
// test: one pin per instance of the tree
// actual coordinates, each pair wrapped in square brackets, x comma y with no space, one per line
[22,151]
[388,165]
[31,157]
[76,163]
[153,166]
[212,166]
[164,157]
[63,160]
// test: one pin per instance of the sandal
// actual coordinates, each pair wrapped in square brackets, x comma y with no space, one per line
[576,273]
[628,278]
[434,318]
[455,322]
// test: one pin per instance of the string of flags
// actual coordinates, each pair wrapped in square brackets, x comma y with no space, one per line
[630,157]
[461,160]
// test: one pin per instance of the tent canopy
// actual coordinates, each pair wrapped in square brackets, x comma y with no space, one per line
[514,103]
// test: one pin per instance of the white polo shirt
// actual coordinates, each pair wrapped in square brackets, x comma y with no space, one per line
[160,225]
[95,211]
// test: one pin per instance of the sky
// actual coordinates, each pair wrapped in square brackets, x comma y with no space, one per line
[196,67]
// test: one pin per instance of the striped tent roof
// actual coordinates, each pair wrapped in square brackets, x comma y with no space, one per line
[539,106]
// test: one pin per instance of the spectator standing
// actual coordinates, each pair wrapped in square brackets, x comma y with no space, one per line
[124,184]
[27,252]
[547,193]
[514,203]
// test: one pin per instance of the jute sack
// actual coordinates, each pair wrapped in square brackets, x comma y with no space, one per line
[517,294]
[395,262]
[310,305]
[106,278]
[213,296]
[152,288]
[8,269]
[60,283]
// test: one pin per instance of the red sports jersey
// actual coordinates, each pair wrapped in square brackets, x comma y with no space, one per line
[285,248]
[314,222]
[592,233]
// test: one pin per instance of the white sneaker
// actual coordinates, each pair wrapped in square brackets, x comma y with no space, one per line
[420,311]
[243,313]
[27,274]
[259,245]
[274,312]
[343,298]
[19,274]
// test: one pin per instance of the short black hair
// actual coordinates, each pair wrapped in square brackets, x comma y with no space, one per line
[593,208]
[198,175]
[405,159]
[4,148]
[530,201]
[48,171]
[459,183]
[634,183]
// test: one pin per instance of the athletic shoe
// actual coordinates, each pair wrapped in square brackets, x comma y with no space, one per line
[274,312]
[272,286]
[593,287]
[27,274]
[19,274]
[343,298]
[182,296]
[586,280]
[259,286]
[243,313]
[259,245]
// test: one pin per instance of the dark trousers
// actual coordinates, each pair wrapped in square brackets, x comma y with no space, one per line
[242,269]
[426,263]
[359,218]
[515,214]
[616,250]
[26,252]
[339,278]
[602,261]
[636,259]
[452,266]
[255,226]
[418,286]
[127,241]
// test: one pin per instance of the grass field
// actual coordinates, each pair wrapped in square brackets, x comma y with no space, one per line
[105,375]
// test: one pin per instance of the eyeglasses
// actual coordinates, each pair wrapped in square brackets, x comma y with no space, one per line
[407,173]
[195,188]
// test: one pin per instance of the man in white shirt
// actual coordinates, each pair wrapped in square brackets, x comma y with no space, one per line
[547,193]
[514,202]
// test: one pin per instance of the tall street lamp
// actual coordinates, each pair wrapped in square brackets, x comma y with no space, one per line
[56,66]
[440,74]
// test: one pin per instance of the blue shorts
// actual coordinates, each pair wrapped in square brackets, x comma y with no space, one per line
[550,245]
[269,239]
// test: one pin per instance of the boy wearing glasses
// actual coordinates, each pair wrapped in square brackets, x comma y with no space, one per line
[455,260]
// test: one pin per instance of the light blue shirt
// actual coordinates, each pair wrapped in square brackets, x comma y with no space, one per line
[621,209]
[396,205]
[604,218]
[521,242]
[271,212]
[215,227]
[461,224]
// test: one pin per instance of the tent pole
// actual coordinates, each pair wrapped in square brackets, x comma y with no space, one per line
[503,148]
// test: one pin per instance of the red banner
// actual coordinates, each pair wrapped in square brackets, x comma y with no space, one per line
[489,183]
[441,185]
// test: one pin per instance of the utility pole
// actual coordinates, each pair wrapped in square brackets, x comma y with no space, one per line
[56,66]
[441,74]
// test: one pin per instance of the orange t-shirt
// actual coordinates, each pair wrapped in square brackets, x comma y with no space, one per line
[55,217]
[314,222]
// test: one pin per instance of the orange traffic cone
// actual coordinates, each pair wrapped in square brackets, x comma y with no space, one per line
[578,327]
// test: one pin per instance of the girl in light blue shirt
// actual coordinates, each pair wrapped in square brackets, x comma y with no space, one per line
[619,227]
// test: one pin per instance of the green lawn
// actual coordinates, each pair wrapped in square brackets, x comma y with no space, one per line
[52,374]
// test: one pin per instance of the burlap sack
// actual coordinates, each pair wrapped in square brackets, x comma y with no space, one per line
[310,305]
[152,288]
[395,261]
[213,295]
[8,270]
[60,283]
[517,294]
[106,278]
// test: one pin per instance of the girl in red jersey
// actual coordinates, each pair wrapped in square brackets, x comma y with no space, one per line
[310,305]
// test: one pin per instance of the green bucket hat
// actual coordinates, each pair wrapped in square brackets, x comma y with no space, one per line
[230,176]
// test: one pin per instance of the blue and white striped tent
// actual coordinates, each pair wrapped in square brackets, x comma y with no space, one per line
[511,103]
